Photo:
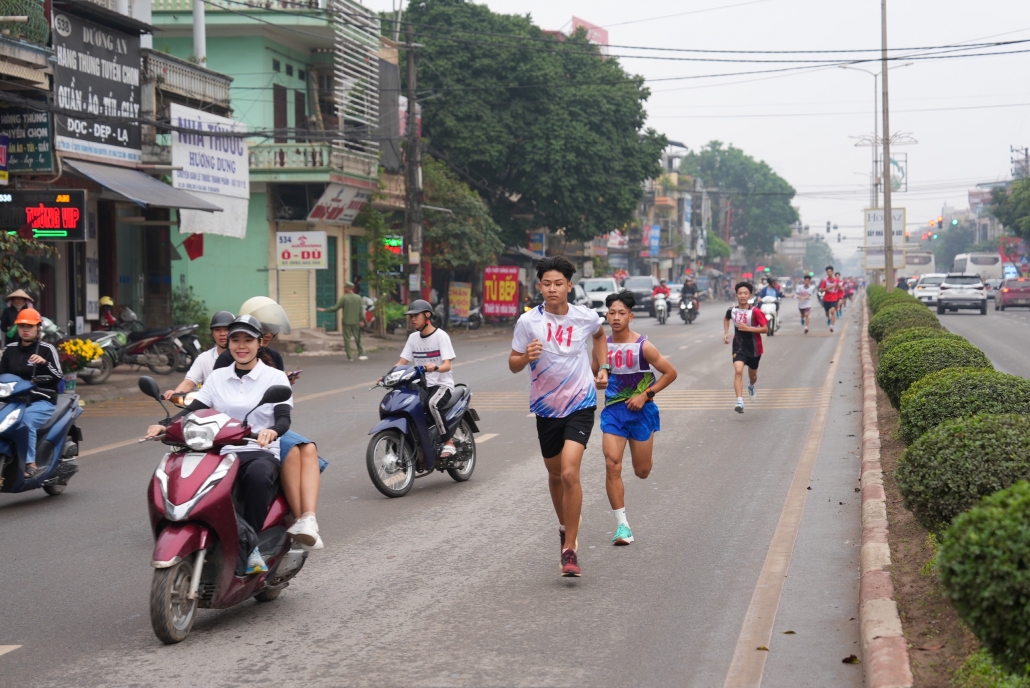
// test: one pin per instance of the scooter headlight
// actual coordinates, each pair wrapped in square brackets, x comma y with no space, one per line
[6,389]
[199,436]
[393,378]
[10,420]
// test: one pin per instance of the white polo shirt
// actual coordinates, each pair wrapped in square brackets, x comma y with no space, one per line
[202,366]
[234,396]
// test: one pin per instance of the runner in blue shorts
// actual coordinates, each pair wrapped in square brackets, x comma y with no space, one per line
[630,414]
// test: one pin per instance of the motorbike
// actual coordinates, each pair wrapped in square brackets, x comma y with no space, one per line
[661,308]
[688,310]
[57,440]
[769,306]
[198,559]
[188,346]
[154,348]
[405,445]
[474,322]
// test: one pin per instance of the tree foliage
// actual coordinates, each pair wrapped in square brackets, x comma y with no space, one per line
[1012,207]
[760,198]
[385,265]
[817,256]
[13,248]
[548,131]
[467,236]
[717,248]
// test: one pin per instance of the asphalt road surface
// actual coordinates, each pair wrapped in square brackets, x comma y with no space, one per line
[457,584]
[1002,335]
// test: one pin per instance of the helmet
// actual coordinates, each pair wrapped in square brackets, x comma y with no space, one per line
[418,306]
[28,316]
[106,301]
[222,319]
[246,323]
[270,314]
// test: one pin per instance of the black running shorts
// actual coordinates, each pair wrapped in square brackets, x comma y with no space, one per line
[553,432]
[749,361]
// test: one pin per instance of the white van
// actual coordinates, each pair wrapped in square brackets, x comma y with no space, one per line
[987,265]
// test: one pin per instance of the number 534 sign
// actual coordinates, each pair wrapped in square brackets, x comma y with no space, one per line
[301,251]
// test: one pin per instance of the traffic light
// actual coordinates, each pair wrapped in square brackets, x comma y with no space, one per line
[935,236]
[767,270]
[954,222]
[838,237]
[828,223]
[940,222]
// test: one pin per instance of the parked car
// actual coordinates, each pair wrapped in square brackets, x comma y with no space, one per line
[962,290]
[597,290]
[993,285]
[928,286]
[576,296]
[642,286]
[1014,292]
[675,292]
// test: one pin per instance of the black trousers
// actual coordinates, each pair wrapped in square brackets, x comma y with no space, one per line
[437,396]
[256,486]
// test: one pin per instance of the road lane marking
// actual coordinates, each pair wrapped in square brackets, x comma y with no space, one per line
[748,664]
[487,437]
[98,450]
[4,649]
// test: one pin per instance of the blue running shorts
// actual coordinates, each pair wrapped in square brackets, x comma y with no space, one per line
[617,419]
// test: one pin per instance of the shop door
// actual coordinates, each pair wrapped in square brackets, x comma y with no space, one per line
[294,297]
[325,288]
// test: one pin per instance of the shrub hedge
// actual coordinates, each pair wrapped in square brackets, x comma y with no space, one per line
[907,363]
[900,316]
[984,564]
[896,296]
[960,392]
[955,465]
[911,334]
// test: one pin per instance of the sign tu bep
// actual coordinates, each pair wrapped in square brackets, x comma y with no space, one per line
[501,291]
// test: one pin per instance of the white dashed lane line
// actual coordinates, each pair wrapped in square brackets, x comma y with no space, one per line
[4,649]
[486,438]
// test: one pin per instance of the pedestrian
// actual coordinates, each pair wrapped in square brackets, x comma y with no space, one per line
[749,325]
[16,301]
[630,414]
[565,348]
[353,311]
[803,294]
[828,294]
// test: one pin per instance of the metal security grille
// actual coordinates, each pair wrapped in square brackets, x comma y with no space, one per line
[356,32]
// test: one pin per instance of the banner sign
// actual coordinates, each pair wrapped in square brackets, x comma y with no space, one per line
[301,251]
[210,164]
[874,238]
[459,295]
[97,73]
[339,204]
[537,243]
[30,148]
[1014,253]
[501,291]
[656,240]
[52,215]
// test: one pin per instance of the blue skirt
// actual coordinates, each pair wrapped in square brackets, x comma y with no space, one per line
[290,440]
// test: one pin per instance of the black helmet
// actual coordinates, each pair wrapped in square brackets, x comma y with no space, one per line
[419,306]
[222,319]
[248,324]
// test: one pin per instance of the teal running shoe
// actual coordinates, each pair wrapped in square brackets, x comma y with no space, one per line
[623,536]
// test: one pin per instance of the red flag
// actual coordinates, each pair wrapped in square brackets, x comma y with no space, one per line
[194,246]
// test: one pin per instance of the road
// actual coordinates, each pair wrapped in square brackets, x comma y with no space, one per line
[1002,335]
[457,584]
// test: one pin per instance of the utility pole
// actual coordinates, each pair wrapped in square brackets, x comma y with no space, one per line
[413,197]
[1023,164]
[888,223]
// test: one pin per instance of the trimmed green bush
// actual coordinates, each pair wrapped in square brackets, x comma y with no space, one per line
[896,296]
[911,334]
[960,392]
[955,465]
[907,363]
[900,316]
[984,564]
[874,293]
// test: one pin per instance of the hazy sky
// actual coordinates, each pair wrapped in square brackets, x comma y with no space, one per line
[964,113]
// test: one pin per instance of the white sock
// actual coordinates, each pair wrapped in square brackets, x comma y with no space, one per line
[740,400]
[620,517]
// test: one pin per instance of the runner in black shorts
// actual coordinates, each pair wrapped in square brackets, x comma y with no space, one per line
[749,325]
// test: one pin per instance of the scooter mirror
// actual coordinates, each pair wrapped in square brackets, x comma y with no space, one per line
[148,386]
[276,394]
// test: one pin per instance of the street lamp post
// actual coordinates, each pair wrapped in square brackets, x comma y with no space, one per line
[888,223]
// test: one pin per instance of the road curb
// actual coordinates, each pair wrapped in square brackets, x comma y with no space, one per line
[884,649]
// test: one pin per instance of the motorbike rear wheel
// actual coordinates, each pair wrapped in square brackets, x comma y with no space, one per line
[171,613]
[462,436]
[98,376]
[269,594]
[169,351]
[387,451]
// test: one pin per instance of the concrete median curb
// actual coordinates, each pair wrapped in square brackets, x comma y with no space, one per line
[884,648]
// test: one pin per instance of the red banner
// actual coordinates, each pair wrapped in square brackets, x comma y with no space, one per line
[501,291]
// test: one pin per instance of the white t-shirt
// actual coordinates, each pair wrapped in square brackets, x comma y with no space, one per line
[561,381]
[234,396]
[202,366]
[436,348]
[804,295]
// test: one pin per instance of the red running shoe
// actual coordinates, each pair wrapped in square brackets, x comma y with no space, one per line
[569,565]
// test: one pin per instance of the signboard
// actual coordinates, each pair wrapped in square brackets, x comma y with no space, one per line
[339,204]
[874,238]
[459,295]
[899,172]
[210,164]
[1013,252]
[537,243]
[501,291]
[394,243]
[301,251]
[656,240]
[617,239]
[600,246]
[97,73]
[30,149]
[4,141]
[53,215]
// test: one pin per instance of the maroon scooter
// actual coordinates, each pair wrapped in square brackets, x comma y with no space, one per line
[198,559]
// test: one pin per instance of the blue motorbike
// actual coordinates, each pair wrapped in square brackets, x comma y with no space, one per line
[406,444]
[57,441]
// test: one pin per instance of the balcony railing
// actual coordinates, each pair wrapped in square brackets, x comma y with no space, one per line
[174,75]
[186,6]
[287,157]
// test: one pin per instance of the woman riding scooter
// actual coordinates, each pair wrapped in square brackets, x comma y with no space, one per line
[28,357]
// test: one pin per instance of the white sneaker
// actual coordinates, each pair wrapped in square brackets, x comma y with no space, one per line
[305,531]
[362,358]
[751,390]
[739,408]
[318,544]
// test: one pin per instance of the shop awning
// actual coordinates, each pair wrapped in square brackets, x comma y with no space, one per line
[138,187]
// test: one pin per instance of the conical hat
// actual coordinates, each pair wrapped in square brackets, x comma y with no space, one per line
[19,294]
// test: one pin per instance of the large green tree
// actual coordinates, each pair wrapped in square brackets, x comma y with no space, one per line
[759,198]
[462,233]
[1012,207]
[547,130]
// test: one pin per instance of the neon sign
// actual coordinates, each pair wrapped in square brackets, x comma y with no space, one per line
[50,215]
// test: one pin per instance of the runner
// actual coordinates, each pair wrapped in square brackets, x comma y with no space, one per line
[630,413]
[803,294]
[555,340]
[841,295]
[828,293]
[849,289]
[749,325]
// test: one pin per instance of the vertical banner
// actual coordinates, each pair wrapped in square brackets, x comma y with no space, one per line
[537,243]
[501,291]
[459,295]
[4,142]
[656,240]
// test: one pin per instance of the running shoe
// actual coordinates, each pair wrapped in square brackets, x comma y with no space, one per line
[806,329]
[569,565]
[304,531]
[255,563]
[739,408]
[828,321]
[831,328]
[318,544]
[751,390]
[623,536]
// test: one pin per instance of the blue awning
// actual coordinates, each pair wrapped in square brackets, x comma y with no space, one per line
[138,187]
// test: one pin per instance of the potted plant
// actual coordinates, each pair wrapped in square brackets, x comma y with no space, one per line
[75,355]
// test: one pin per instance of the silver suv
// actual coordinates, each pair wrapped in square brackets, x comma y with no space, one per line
[928,286]
[962,290]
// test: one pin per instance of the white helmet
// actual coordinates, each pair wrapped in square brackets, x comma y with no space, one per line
[270,314]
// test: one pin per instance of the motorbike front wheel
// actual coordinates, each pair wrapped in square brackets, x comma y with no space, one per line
[166,350]
[475,321]
[99,375]
[390,462]
[466,442]
[772,326]
[171,612]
